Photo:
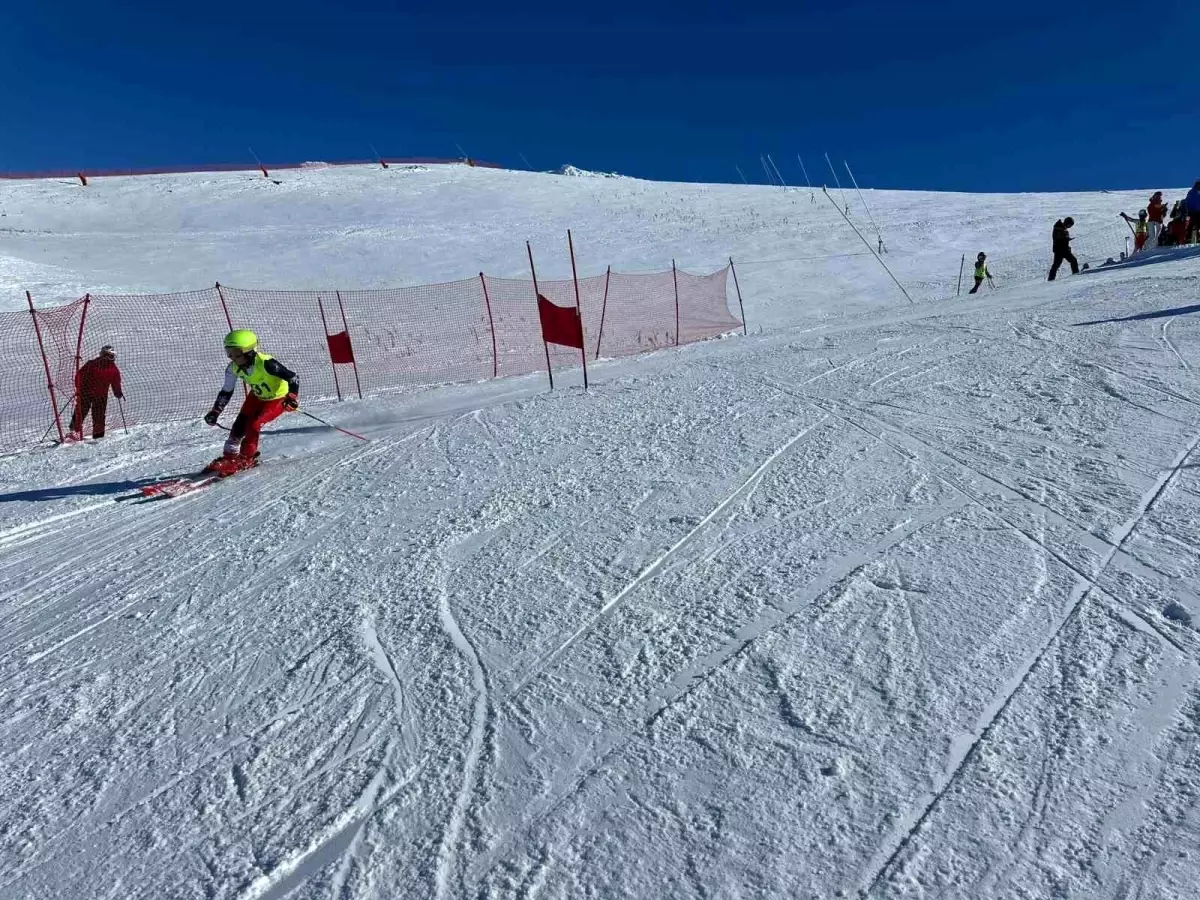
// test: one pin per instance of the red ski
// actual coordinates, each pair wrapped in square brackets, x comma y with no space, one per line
[175,487]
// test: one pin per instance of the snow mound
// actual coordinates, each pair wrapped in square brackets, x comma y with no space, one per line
[576,172]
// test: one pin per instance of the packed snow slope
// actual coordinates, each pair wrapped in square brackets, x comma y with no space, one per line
[890,603]
[366,227]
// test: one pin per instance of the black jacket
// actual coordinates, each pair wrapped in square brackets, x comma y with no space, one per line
[1061,238]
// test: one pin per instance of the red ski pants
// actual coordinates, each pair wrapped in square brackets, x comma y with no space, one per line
[97,406]
[247,427]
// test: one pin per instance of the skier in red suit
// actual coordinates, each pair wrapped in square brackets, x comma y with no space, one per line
[93,381]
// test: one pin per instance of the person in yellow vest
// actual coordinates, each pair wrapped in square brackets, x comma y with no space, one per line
[1141,229]
[981,272]
[273,389]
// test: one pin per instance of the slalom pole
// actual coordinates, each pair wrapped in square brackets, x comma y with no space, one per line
[838,182]
[777,172]
[770,178]
[331,425]
[867,244]
[811,196]
[121,407]
[863,201]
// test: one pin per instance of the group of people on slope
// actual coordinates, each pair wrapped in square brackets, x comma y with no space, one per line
[1153,227]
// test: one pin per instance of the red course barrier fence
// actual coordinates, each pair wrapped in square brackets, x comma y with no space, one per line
[340,343]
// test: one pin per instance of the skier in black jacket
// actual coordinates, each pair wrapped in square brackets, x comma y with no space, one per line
[1062,247]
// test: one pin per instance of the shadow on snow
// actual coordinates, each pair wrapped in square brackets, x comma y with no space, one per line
[92,489]
[1157,314]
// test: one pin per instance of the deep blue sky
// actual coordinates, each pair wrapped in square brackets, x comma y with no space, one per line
[999,96]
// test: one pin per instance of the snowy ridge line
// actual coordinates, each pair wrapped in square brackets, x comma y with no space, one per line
[651,570]
[994,713]
[234,168]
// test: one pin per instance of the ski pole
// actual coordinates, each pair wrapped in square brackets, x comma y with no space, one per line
[331,425]
[121,406]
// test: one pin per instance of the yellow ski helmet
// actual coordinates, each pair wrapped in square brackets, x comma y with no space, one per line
[241,339]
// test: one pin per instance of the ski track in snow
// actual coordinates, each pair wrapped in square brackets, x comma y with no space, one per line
[912,821]
[1167,340]
[449,874]
[747,486]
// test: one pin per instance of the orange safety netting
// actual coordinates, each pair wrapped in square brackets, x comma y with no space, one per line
[341,343]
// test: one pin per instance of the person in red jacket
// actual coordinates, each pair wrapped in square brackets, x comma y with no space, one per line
[1156,210]
[93,381]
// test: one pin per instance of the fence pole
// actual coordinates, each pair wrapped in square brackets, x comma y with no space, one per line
[537,297]
[961,264]
[87,299]
[224,306]
[675,279]
[868,245]
[325,327]
[578,309]
[353,355]
[260,163]
[37,329]
[603,309]
[487,302]
[229,322]
[739,295]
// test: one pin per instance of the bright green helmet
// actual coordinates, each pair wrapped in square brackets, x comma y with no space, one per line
[241,339]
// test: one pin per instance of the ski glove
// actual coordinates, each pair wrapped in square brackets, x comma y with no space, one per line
[210,418]
[291,403]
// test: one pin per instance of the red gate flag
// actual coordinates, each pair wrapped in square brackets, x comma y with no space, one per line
[560,324]
[340,350]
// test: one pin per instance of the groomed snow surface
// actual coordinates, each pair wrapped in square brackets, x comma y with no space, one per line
[883,601]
